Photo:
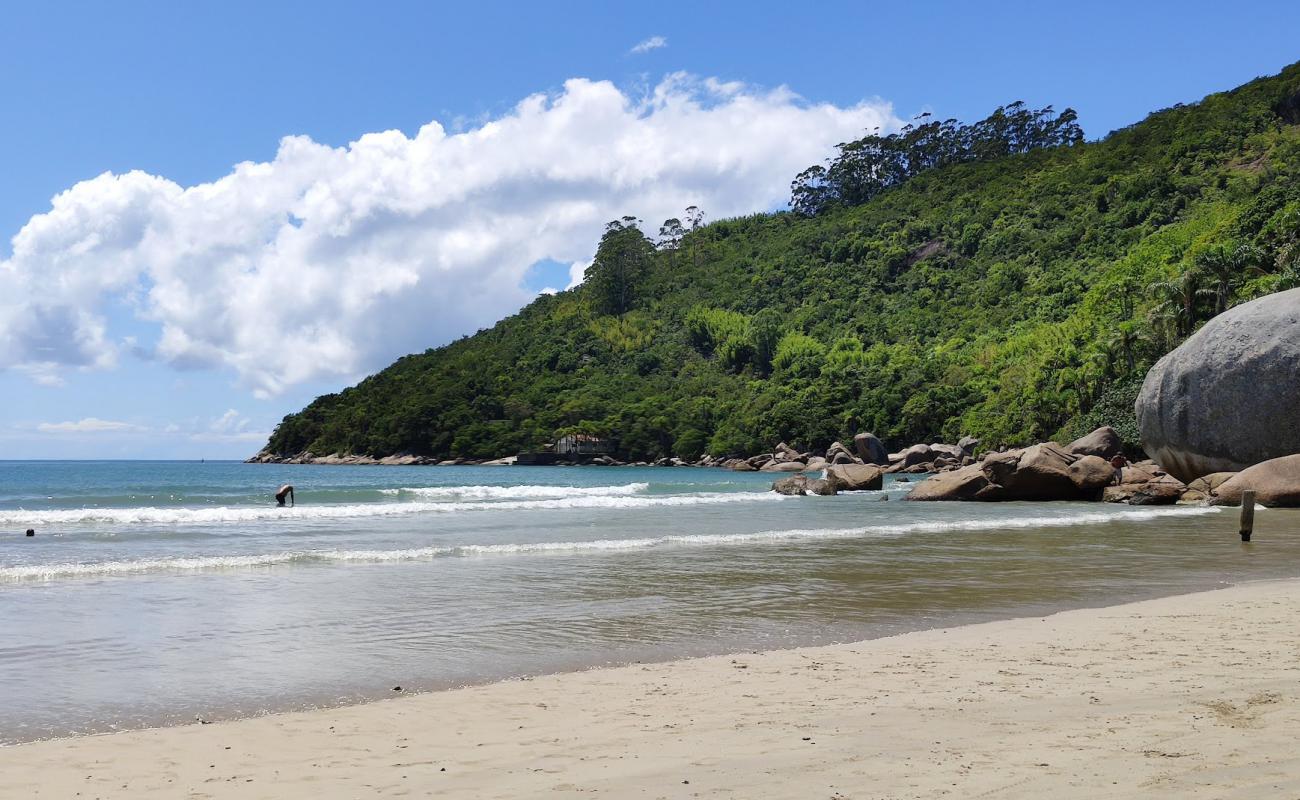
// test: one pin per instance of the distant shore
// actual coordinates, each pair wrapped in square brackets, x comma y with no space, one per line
[1189,696]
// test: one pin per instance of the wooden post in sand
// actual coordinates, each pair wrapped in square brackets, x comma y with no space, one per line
[1247,514]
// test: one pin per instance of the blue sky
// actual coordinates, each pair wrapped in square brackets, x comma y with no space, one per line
[201,356]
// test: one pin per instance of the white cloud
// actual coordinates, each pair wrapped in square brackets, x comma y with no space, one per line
[87,425]
[653,43]
[328,262]
[229,422]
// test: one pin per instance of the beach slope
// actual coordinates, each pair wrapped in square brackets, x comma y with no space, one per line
[1191,696]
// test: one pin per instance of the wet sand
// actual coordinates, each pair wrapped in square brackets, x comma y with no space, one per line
[1190,696]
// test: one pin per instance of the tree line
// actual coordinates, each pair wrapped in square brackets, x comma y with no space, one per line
[868,166]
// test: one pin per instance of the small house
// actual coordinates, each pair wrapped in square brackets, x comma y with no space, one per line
[581,444]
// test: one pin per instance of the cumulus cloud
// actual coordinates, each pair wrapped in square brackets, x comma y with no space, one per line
[653,43]
[328,262]
[232,426]
[87,425]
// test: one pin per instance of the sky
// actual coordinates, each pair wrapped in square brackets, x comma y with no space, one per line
[213,212]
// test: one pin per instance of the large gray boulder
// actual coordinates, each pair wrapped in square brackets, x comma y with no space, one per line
[1229,396]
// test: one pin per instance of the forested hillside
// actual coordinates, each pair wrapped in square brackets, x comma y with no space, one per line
[1004,279]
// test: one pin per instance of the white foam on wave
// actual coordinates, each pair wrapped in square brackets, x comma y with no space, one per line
[45,572]
[517,492]
[149,515]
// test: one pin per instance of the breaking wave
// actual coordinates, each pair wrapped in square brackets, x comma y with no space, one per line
[149,515]
[517,492]
[45,572]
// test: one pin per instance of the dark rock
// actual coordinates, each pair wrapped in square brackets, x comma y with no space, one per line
[1119,494]
[794,485]
[1160,492]
[855,477]
[968,444]
[837,453]
[870,449]
[1228,397]
[1276,482]
[821,487]
[1103,442]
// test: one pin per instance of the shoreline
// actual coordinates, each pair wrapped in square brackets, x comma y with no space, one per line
[1187,694]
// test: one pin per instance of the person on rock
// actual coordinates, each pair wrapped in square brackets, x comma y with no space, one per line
[1119,462]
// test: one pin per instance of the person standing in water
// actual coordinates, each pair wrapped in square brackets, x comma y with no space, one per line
[283,492]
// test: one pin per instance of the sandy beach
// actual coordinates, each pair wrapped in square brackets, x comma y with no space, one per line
[1190,696]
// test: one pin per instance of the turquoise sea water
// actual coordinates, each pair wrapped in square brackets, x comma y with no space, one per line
[157,591]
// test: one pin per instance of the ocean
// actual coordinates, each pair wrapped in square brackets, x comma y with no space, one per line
[159,593]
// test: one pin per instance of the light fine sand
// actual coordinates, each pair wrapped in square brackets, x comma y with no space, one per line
[1192,696]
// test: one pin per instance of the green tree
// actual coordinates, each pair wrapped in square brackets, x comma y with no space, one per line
[621,264]
[1224,267]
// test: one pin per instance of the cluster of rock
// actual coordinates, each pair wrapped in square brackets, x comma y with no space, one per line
[395,460]
[1082,470]
[1275,482]
[863,468]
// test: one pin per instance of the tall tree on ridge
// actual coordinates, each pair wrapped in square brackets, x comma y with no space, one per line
[622,260]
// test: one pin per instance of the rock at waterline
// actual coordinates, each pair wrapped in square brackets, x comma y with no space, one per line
[1229,396]
[794,485]
[1044,471]
[855,477]
[821,487]
[1275,482]
[1092,473]
[960,484]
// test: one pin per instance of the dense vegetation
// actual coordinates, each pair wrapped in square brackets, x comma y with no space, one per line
[1014,295]
[868,166]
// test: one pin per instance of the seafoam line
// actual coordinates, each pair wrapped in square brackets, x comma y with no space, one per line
[46,572]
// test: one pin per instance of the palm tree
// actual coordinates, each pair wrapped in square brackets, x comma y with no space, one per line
[1176,301]
[1225,265]
[1123,339]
